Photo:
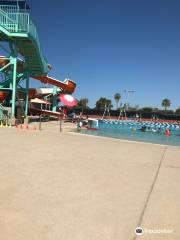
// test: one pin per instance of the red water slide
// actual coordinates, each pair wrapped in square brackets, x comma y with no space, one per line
[68,86]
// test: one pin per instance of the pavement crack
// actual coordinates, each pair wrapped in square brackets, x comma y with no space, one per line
[171,166]
[150,191]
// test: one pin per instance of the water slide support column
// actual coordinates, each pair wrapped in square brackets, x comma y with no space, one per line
[14,73]
[13,60]
[26,100]
[54,107]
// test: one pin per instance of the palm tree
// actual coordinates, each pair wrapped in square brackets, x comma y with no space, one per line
[166,103]
[102,103]
[117,98]
[83,102]
[178,110]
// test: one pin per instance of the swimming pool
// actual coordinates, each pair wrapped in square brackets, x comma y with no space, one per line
[130,130]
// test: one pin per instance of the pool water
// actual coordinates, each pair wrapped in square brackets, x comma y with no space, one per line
[130,130]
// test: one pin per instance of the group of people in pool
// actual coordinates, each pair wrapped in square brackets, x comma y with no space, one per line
[158,130]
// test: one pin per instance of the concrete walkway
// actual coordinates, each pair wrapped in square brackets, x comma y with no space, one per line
[60,186]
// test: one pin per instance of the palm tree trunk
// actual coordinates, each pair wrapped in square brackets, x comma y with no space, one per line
[116,105]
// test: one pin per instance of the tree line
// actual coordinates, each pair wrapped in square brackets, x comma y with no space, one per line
[103,103]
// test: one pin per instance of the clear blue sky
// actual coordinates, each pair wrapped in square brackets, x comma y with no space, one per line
[107,46]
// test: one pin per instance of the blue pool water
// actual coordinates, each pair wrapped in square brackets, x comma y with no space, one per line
[130,130]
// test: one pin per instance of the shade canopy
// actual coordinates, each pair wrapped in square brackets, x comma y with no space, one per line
[40,101]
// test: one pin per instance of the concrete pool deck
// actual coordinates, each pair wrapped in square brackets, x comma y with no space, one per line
[73,187]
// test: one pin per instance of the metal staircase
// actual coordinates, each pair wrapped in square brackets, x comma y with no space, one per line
[19,32]
[16,26]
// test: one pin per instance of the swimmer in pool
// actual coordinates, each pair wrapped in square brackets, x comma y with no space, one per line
[143,129]
[159,130]
[154,130]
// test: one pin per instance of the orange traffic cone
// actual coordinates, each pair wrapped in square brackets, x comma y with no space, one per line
[21,126]
[27,127]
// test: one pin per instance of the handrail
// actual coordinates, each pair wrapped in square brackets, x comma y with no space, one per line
[1,106]
[1,112]
[5,14]
[20,22]
[4,116]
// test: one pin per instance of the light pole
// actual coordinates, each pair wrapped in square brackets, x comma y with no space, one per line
[128,92]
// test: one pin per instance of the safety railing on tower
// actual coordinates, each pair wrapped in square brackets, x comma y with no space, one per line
[15,20]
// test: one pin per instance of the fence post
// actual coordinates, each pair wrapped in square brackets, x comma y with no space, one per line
[60,124]
[40,120]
